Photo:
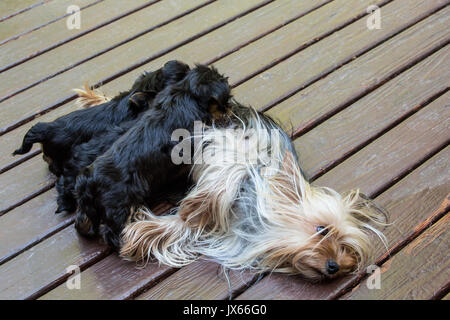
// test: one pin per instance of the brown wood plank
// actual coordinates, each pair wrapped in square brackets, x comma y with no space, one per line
[110,279]
[25,179]
[12,8]
[209,283]
[45,264]
[29,223]
[417,272]
[373,114]
[92,43]
[409,202]
[372,69]
[40,16]
[447,297]
[32,43]
[341,47]
[199,276]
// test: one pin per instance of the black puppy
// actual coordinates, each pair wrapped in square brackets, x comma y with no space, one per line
[59,137]
[139,163]
[83,154]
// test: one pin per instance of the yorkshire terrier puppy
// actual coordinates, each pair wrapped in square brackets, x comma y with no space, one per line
[139,163]
[58,137]
[252,208]
[83,154]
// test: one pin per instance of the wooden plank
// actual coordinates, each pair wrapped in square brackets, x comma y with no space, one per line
[45,264]
[29,223]
[199,276]
[341,47]
[12,8]
[92,43]
[110,279]
[92,17]
[409,202]
[417,272]
[372,115]
[121,57]
[40,16]
[210,284]
[373,69]
[25,179]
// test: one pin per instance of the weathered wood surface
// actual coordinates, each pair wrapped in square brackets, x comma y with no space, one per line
[370,105]
[13,8]
[12,29]
[417,272]
[33,44]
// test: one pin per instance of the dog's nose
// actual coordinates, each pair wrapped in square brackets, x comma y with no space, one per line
[332,267]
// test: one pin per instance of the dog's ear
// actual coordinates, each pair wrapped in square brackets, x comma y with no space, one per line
[139,101]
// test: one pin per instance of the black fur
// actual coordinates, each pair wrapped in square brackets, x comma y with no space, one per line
[139,163]
[59,137]
[83,154]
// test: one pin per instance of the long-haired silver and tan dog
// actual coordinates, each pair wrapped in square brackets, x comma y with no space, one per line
[252,208]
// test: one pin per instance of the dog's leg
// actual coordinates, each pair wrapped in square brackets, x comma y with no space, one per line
[114,222]
[66,201]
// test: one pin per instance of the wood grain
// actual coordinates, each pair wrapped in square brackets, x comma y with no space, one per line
[45,264]
[37,41]
[373,114]
[12,8]
[199,281]
[91,44]
[409,202]
[417,272]
[110,279]
[39,17]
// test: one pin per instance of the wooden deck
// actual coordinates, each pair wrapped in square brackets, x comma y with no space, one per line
[368,108]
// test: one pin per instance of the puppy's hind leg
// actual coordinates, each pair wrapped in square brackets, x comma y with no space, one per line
[66,201]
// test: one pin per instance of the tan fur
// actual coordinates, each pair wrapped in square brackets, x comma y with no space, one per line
[88,97]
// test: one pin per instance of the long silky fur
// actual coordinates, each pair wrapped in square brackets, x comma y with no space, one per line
[88,97]
[252,208]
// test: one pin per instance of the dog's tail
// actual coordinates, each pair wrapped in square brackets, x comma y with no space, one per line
[37,133]
[88,97]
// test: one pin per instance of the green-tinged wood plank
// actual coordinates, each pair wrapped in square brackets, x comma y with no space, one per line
[357,74]
[47,262]
[92,43]
[417,272]
[409,202]
[209,283]
[97,69]
[38,16]
[110,279]
[9,7]
[41,39]
[371,115]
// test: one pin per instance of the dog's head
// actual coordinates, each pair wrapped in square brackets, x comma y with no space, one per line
[208,86]
[323,234]
[147,86]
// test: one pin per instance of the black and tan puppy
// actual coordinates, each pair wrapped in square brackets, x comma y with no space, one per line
[139,163]
[60,136]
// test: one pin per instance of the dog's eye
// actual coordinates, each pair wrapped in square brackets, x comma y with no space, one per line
[322,230]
